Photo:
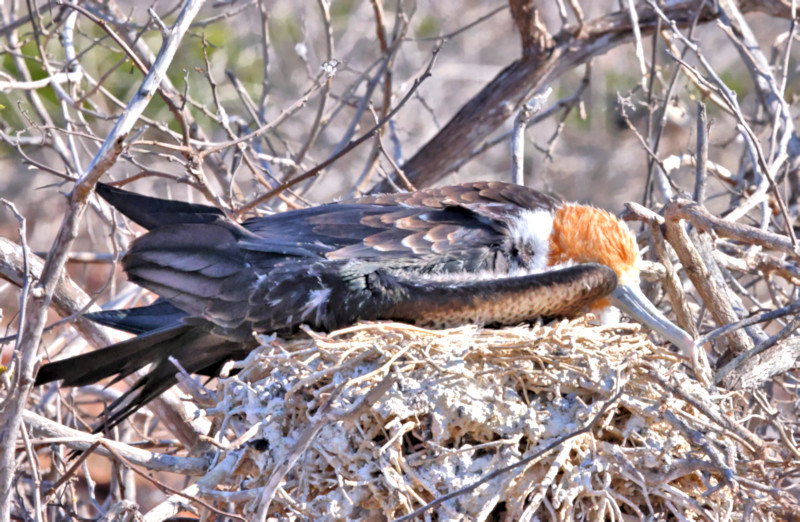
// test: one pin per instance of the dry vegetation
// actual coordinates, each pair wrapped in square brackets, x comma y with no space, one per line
[629,433]
[682,107]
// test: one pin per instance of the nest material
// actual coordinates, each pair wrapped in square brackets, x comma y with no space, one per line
[459,404]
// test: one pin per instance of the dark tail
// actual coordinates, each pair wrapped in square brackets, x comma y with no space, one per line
[154,212]
[164,330]
[140,320]
[196,348]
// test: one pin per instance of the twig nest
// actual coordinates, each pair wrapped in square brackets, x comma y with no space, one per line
[376,421]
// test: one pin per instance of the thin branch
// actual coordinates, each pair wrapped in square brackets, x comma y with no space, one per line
[38,307]
[518,135]
[352,145]
[49,432]
[504,95]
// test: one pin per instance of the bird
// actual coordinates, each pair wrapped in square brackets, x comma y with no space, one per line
[485,253]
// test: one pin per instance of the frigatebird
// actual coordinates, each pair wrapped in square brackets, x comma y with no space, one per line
[487,253]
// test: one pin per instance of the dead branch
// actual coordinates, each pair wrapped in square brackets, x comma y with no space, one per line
[505,94]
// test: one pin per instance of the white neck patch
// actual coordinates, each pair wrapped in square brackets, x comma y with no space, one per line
[530,231]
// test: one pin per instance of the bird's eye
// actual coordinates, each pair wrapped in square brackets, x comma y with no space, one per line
[527,252]
[523,252]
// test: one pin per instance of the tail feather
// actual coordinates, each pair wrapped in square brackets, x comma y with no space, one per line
[153,212]
[201,245]
[139,320]
[120,359]
[197,350]
[194,346]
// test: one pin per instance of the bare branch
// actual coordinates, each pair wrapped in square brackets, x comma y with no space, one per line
[503,96]
[28,341]
[49,432]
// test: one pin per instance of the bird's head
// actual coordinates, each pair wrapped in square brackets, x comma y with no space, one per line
[584,234]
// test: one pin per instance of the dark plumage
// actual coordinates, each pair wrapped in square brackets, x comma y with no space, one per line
[437,257]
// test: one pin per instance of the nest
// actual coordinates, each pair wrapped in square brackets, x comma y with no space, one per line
[567,421]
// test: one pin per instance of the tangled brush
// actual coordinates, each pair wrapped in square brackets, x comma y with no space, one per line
[567,421]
